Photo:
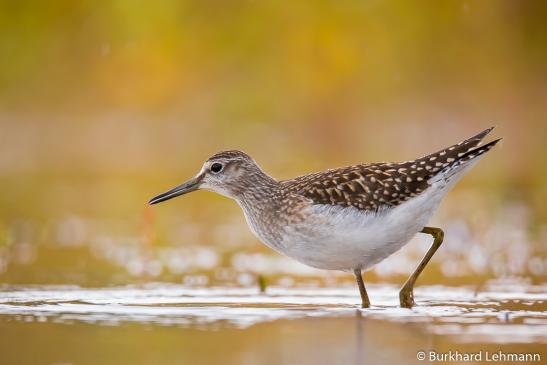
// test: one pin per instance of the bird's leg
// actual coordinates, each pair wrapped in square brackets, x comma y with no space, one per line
[365,303]
[262,283]
[406,295]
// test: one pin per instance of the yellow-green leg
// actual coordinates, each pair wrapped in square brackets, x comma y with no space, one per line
[262,283]
[406,295]
[365,303]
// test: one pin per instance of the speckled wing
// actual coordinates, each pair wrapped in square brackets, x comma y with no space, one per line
[382,185]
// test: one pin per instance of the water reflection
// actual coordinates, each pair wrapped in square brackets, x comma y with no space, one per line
[491,315]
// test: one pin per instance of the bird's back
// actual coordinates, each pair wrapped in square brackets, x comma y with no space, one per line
[376,186]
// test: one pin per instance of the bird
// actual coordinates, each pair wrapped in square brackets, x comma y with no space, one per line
[347,218]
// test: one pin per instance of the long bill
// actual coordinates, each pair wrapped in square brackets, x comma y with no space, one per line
[187,187]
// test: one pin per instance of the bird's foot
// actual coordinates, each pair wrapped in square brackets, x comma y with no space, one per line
[406,298]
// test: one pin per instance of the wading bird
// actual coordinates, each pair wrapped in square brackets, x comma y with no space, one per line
[348,218]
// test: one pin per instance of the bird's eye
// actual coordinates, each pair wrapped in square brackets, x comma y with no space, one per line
[216,167]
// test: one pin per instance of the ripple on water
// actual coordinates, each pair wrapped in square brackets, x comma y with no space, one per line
[490,316]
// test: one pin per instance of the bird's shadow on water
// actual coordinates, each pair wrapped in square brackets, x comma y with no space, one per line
[359,338]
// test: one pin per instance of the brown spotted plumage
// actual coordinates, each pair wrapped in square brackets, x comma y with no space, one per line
[381,185]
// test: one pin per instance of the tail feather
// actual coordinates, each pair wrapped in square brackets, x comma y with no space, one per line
[463,161]
[475,140]
[464,146]
[476,152]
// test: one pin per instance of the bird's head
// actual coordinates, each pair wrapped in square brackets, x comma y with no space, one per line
[229,173]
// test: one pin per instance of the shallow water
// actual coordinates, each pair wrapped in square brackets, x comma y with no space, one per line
[173,323]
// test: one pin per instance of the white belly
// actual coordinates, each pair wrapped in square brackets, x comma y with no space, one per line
[344,238]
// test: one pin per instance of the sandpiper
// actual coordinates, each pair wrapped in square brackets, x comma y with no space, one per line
[348,218]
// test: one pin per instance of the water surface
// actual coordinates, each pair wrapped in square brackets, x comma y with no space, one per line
[173,323]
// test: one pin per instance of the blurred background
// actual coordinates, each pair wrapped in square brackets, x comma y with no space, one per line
[106,104]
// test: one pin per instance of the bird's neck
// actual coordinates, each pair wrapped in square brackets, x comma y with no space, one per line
[258,188]
[260,203]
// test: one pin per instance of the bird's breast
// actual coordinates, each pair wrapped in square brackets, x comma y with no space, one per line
[342,238]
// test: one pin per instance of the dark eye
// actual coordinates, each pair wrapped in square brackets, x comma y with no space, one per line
[216,167]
